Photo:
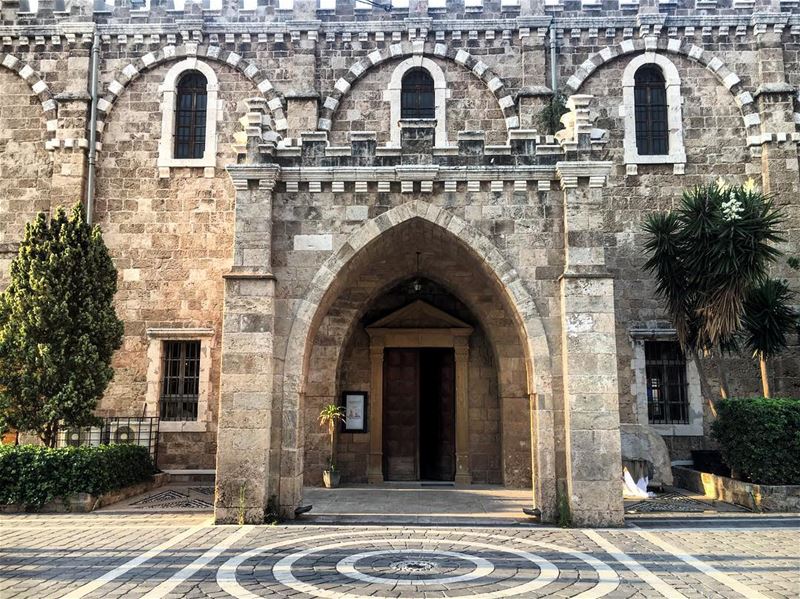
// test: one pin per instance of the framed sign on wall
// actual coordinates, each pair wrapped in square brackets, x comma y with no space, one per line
[355,411]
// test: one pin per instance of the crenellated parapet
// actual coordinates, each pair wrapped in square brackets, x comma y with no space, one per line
[347,12]
[524,147]
[351,19]
[527,161]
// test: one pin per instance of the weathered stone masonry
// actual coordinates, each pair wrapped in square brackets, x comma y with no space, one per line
[317,207]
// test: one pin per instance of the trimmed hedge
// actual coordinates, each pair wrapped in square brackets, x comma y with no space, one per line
[760,438]
[32,475]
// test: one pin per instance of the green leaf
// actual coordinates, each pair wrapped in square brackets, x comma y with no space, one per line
[58,326]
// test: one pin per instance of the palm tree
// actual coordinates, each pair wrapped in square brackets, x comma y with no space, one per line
[768,320]
[329,417]
[707,256]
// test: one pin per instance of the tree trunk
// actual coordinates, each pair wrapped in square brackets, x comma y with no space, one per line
[45,436]
[332,445]
[723,380]
[50,434]
[705,388]
[764,376]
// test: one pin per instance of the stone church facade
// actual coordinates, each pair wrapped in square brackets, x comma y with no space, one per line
[313,200]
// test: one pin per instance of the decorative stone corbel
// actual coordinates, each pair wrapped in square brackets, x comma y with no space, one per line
[578,133]
[256,142]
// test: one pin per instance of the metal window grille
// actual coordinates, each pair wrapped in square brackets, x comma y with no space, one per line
[416,96]
[118,430]
[190,116]
[667,387]
[650,100]
[180,380]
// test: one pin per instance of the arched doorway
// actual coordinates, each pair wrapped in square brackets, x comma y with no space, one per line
[462,261]
[430,373]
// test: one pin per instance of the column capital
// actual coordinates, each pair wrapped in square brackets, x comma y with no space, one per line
[766,38]
[266,175]
[597,172]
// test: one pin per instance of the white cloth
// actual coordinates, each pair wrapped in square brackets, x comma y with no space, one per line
[635,489]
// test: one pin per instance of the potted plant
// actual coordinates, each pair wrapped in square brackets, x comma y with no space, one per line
[330,416]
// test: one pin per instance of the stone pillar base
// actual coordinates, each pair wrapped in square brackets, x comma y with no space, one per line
[463,479]
[225,515]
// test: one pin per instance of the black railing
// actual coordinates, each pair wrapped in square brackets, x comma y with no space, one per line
[132,430]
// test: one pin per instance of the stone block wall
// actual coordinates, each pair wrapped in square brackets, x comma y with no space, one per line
[26,168]
[172,237]
[471,107]
[715,139]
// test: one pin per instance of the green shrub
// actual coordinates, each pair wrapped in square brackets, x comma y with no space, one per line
[32,475]
[760,438]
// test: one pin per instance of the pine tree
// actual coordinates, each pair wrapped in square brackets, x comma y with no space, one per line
[58,326]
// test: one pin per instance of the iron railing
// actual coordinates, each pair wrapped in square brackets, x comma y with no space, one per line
[118,430]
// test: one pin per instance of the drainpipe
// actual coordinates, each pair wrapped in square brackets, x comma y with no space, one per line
[553,59]
[90,184]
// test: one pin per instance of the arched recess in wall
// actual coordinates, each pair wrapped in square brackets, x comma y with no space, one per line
[325,288]
[405,49]
[40,89]
[447,269]
[174,53]
[729,79]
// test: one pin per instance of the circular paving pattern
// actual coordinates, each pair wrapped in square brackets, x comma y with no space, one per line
[411,572]
[379,564]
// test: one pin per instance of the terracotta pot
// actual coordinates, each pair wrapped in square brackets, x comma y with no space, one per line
[331,478]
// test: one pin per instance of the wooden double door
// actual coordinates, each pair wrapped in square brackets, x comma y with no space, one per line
[419,414]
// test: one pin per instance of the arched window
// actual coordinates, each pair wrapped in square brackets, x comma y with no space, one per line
[417,96]
[190,116]
[650,101]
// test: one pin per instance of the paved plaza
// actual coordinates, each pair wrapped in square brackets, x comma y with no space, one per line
[162,553]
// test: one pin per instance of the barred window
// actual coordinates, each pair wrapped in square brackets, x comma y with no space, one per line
[667,388]
[190,116]
[650,101]
[180,380]
[417,95]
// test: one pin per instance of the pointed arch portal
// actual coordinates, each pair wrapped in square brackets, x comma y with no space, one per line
[376,258]
[283,353]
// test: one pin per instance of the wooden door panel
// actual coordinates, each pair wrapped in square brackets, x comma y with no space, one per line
[437,414]
[400,414]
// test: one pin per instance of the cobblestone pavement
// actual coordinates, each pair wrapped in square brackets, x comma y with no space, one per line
[182,555]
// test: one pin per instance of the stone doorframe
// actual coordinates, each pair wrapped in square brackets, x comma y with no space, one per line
[381,336]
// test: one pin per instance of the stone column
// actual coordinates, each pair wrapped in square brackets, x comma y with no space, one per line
[246,398]
[531,7]
[302,95]
[305,10]
[589,353]
[780,172]
[775,100]
[417,8]
[534,50]
[463,476]
[375,463]
[70,158]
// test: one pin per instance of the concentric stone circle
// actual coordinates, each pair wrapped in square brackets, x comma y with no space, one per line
[347,567]
[465,564]
[413,565]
